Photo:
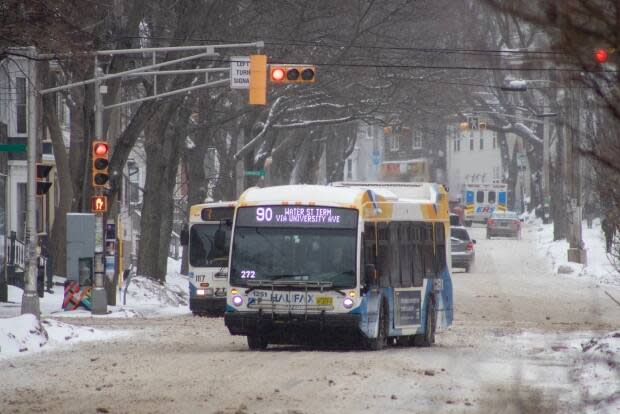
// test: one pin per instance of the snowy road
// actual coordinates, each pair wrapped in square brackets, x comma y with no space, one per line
[514,348]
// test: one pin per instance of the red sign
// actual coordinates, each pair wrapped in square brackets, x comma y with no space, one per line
[99,204]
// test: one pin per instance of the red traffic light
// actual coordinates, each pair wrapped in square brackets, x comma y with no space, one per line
[298,73]
[100,149]
[277,74]
[601,55]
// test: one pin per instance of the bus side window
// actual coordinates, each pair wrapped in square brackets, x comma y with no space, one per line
[384,257]
[369,250]
[440,249]
[417,249]
[406,255]
[394,247]
[429,256]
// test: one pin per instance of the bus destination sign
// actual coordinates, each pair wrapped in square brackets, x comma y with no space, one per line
[297,216]
[217,213]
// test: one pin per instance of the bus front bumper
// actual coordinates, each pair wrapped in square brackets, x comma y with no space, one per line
[206,304]
[275,324]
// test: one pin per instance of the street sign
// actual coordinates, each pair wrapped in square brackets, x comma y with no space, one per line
[259,173]
[240,72]
[12,147]
[99,204]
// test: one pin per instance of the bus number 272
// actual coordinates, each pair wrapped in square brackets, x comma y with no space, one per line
[248,274]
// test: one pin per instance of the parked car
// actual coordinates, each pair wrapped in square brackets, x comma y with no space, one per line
[463,253]
[505,224]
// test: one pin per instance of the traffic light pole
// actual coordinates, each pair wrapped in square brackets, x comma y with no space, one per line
[99,298]
[30,298]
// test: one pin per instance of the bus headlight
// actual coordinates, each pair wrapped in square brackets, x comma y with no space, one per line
[203,292]
[237,300]
[347,303]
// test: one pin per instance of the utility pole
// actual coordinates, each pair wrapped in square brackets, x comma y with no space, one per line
[99,296]
[576,252]
[30,298]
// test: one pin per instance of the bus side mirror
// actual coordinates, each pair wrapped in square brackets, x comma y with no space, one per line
[370,275]
[184,236]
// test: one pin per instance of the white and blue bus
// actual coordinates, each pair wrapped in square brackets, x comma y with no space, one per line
[321,263]
[210,225]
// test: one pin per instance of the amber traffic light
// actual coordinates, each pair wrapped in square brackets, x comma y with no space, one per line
[292,73]
[100,153]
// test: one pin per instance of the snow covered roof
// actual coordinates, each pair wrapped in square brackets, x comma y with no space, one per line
[398,190]
[302,194]
[412,161]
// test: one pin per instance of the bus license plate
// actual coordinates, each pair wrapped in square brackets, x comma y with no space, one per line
[324,300]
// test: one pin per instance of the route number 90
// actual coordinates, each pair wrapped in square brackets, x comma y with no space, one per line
[264,214]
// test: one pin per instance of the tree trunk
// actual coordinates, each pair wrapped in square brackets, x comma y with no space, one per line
[58,236]
[157,201]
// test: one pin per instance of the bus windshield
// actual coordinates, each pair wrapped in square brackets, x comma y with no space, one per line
[295,244]
[203,251]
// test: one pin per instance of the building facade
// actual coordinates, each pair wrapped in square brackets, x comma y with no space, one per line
[364,162]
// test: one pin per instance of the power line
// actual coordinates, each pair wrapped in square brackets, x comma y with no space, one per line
[279,42]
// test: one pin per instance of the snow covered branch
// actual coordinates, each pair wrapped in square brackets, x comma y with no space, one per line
[254,141]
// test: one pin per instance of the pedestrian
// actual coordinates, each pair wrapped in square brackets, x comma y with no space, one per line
[609,229]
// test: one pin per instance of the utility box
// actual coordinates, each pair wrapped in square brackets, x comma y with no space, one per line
[80,243]
[80,261]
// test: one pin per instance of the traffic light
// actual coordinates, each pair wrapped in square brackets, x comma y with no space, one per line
[292,73]
[601,55]
[100,155]
[43,170]
[258,80]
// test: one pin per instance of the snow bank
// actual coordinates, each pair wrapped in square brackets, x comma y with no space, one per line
[598,373]
[598,268]
[25,334]
[147,297]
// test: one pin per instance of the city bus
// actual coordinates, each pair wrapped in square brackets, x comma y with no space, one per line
[208,239]
[323,263]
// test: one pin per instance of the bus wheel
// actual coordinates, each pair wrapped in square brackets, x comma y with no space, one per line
[428,337]
[257,343]
[380,342]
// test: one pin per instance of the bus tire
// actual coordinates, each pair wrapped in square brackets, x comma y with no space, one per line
[380,342]
[428,337]
[257,343]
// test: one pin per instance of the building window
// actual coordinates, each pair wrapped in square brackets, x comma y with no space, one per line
[458,144]
[481,143]
[349,169]
[491,196]
[417,140]
[20,102]
[494,141]
[471,144]
[393,142]
[480,197]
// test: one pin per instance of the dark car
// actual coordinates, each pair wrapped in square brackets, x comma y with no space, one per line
[504,225]
[463,253]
